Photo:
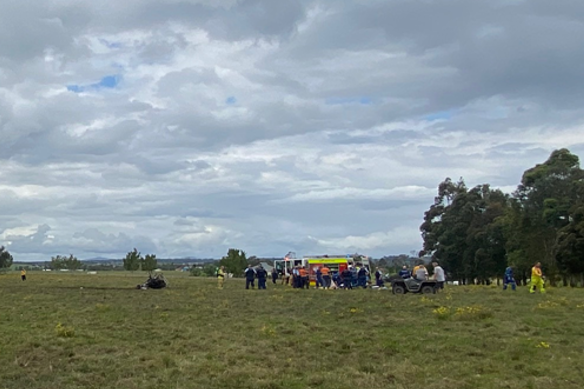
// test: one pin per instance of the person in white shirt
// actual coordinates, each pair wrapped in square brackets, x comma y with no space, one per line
[439,275]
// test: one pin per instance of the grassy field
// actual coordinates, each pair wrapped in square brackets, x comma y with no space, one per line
[95,331]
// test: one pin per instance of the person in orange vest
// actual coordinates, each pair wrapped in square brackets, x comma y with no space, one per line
[326,276]
[537,281]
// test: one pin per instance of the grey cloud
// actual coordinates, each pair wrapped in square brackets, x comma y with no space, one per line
[328,96]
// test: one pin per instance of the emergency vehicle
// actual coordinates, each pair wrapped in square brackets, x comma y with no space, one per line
[336,263]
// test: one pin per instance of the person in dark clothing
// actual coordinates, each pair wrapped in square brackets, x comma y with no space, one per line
[262,274]
[250,274]
[305,283]
[379,278]
[362,277]
[274,276]
[347,278]
[354,278]
[337,279]
[296,277]
[319,279]
[404,273]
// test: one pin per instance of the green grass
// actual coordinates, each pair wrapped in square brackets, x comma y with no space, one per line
[108,335]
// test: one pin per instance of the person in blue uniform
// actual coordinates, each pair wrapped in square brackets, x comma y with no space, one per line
[347,278]
[262,274]
[250,274]
[362,277]
[509,279]
[405,273]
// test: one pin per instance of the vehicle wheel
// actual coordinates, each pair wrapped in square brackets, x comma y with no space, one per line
[428,289]
[398,289]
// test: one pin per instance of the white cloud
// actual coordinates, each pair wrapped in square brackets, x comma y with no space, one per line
[372,242]
[259,124]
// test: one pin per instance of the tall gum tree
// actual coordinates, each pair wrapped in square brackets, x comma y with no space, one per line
[541,208]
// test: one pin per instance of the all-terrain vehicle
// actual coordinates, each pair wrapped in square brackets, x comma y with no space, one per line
[411,285]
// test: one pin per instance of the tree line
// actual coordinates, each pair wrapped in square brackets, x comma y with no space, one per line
[476,233]
[135,261]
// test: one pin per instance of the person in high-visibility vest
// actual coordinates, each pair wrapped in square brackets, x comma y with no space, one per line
[326,276]
[537,281]
[220,277]
[23,275]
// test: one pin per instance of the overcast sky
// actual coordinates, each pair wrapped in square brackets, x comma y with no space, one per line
[184,128]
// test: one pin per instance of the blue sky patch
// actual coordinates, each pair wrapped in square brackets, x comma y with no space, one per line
[440,115]
[75,88]
[231,100]
[110,45]
[107,82]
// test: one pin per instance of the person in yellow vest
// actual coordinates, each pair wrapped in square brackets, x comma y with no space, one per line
[220,277]
[537,281]
[23,275]
[415,269]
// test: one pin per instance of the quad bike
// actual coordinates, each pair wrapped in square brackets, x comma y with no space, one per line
[401,286]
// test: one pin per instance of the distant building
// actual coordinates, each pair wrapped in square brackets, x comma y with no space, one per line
[267,266]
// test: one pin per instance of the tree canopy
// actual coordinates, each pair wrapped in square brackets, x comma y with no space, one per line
[5,258]
[133,260]
[65,262]
[149,263]
[476,233]
[235,262]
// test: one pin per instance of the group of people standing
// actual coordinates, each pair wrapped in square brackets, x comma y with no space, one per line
[358,276]
[420,273]
[325,278]
[299,278]
[537,279]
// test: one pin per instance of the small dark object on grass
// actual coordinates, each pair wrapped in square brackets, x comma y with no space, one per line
[156,282]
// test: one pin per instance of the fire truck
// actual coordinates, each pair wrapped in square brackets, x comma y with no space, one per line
[337,263]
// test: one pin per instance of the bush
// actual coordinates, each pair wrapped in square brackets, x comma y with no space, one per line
[64,332]
[472,313]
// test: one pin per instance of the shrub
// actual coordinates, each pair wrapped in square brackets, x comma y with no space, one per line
[64,332]
[472,313]
[442,313]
